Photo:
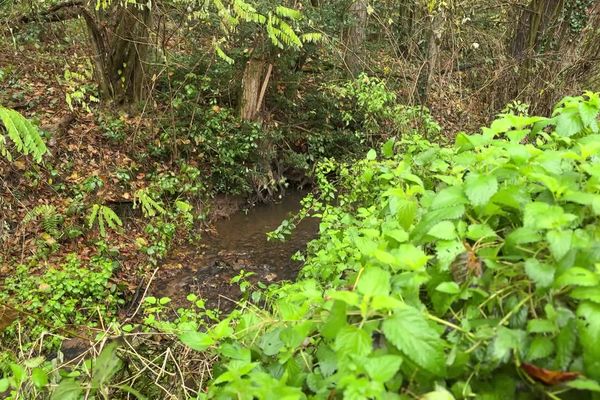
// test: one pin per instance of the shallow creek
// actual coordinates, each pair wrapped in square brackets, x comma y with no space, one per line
[237,243]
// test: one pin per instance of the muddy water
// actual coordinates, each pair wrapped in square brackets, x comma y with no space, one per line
[237,243]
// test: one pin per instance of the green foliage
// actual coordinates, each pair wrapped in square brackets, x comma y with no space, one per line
[50,219]
[23,134]
[104,217]
[69,294]
[370,109]
[379,310]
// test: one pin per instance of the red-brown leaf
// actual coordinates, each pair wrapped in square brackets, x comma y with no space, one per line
[548,377]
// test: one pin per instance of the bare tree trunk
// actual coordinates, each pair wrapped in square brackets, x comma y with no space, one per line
[119,38]
[355,36]
[431,66]
[538,22]
[254,84]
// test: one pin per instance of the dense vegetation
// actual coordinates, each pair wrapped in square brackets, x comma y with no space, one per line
[452,156]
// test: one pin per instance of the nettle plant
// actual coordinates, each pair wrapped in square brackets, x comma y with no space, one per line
[460,272]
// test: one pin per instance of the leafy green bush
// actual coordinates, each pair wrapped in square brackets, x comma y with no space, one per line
[371,110]
[69,294]
[443,272]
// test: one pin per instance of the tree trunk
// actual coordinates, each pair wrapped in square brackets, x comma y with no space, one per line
[119,38]
[355,36]
[537,24]
[431,66]
[254,85]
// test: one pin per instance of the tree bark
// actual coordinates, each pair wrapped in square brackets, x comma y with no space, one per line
[431,65]
[537,23]
[119,37]
[254,82]
[120,40]
[355,36]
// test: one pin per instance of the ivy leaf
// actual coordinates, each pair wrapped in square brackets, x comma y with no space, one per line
[480,188]
[411,333]
[374,281]
[355,341]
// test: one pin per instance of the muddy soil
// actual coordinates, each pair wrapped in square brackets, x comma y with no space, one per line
[238,242]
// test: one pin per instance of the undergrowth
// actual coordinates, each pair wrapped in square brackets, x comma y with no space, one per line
[440,272]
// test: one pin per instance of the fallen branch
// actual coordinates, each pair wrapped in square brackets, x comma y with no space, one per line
[58,12]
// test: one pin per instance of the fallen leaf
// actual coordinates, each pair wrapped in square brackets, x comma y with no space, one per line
[548,377]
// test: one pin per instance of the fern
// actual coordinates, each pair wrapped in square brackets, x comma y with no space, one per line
[50,219]
[289,13]
[22,133]
[105,216]
[150,207]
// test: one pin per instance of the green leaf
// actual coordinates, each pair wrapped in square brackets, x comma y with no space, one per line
[382,368]
[67,390]
[541,274]
[540,215]
[587,293]
[448,287]
[540,347]
[355,341]
[588,326]
[560,242]
[565,344]
[411,333]
[577,276]
[106,365]
[371,155]
[39,377]
[568,122]
[195,340]
[271,342]
[388,148]
[444,230]
[585,384]
[374,281]
[4,385]
[480,188]
[507,340]
[411,258]
[480,231]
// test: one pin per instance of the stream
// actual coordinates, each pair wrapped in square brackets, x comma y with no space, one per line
[236,243]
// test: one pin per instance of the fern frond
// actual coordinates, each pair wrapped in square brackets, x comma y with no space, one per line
[104,216]
[311,37]
[22,133]
[50,219]
[150,207]
[289,13]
